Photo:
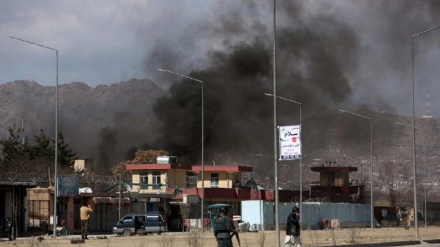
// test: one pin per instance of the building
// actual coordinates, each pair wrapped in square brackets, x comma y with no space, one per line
[334,183]
[13,197]
[175,190]
[181,188]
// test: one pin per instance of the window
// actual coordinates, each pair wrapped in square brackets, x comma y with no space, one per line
[156,180]
[191,180]
[144,180]
[153,218]
[214,180]
[331,179]
[127,220]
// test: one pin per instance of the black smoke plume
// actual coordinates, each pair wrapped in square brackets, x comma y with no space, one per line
[238,115]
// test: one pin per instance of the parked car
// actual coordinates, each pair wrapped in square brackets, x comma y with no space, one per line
[140,223]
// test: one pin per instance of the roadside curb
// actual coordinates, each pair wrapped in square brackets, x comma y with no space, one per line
[432,241]
[398,243]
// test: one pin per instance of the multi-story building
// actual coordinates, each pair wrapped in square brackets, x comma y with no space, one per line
[185,187]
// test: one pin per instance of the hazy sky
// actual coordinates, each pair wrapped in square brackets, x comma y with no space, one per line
[108,41]
[99,42]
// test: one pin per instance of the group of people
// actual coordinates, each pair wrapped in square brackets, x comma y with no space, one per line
[224,230]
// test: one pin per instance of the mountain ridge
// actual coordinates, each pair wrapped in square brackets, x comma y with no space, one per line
[108,122]
[83,112]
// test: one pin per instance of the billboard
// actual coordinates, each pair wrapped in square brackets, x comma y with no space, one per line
[68,186]
[290,142]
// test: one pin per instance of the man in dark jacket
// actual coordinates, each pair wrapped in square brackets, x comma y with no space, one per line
[223,229]
[8,228]
[293,230]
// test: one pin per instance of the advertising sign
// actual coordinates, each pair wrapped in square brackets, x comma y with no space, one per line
[68,186]
[290,142]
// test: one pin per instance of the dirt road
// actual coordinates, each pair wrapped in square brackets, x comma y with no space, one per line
[310,238]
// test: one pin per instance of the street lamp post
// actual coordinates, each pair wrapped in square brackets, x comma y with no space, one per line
[202,197]
[300,160]
[371,160]
[120,193]
[56,133]
[424,160]
[416,224]
[426,197]
[275,141]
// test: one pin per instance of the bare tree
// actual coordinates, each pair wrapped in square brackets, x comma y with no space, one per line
[185,210]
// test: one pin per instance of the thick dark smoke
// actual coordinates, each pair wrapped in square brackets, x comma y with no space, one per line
[234,87]
[238,116]
[350,55]
[108,144]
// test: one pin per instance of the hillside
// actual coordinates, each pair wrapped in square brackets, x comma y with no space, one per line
[100,123]
[107,122]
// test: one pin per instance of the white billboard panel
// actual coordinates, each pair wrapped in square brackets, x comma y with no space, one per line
[290,142]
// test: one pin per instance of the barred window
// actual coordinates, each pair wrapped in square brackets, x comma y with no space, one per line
[156,180]
[144,180]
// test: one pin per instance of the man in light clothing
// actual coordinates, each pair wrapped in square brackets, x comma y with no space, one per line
[85,212]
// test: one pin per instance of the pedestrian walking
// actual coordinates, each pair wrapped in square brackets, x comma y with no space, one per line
[293,230]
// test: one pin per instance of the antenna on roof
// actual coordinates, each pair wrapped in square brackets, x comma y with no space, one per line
[428,106]
[380,104]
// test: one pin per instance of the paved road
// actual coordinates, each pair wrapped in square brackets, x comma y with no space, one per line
[106,240]
[423,244]
[433,243]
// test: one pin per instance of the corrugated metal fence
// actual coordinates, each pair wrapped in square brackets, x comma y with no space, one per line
[261,215]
